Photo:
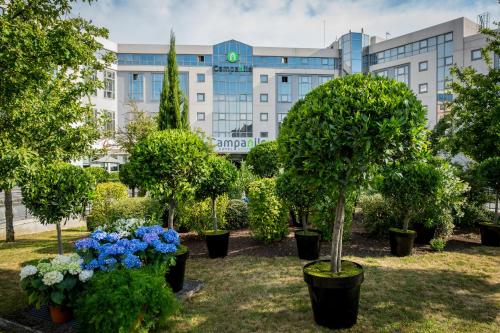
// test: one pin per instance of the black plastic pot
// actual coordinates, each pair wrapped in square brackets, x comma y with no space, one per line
[490,234]
[424,234]
[335,301]
[217,244]
[308,245]
[401,242]
[175,274]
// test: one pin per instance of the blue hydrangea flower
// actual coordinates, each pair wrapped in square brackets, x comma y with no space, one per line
[141,231]
[136,245]
[99,235]
[86,244]
[150,237]
[93,264]
[132,261]
[171,236]
[113,237]
[157,229]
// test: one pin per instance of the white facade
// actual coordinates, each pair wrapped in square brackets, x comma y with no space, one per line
[242,99]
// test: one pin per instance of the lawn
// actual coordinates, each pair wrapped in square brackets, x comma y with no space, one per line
[428,292]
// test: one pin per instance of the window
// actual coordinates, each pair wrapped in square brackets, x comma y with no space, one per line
[200,116]
[423,44]
[284,90]
[284,60]
[200,97]
[264,134]
[305,85]
[448,61]
[222,116]
[324,61]
[448,37]
[264,116]
[109,84]
[422,88]
[243,98]
[284,79]
[264,78]
[323,79]
[243,116]
[423,66]
[200,77]
[156,86]
[281,117]
[201,58]
[475,54]
[382,73]
[402,74]
[264,98]
[136,86]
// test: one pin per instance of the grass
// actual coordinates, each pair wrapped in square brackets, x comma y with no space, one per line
[433,292]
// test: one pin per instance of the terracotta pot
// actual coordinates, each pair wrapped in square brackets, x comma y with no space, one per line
[60,314]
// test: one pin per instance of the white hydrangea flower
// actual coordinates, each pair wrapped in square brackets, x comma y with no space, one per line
[44,267]
[74,268]
[28,270]
[61,260]
[85,275]
[52,277]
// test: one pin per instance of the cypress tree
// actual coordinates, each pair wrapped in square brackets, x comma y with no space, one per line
[169,116]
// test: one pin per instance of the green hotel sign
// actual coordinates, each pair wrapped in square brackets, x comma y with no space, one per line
[232,56]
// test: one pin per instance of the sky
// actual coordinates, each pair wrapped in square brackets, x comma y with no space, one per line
[287,23]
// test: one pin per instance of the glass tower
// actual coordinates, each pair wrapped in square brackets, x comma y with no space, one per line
[352,46]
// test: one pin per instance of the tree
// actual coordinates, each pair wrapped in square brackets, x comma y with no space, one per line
[344,129]
[48,61]
[221,176]
[140,125]
[55,192]
[263,159]
[127,177]
[489,174]
[171,164]
[170,115]
[475,113]
[99,175]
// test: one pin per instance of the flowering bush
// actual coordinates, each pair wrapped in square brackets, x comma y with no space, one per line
[57,281]
[148,245]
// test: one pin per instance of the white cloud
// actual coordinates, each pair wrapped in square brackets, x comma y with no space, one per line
[271,22]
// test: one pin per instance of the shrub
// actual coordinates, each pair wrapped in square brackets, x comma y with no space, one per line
[145,208]
[378,216]
[437,244]
[195,215]
[267,214]
[489,174]
[237,214]
[98,174]
[105,195]
[245,177]
[114,176]
[125,300]
[263,160]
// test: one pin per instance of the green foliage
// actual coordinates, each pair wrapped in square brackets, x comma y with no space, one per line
[125,300]
[292,190]
[263,159]
[437,244]
[144,208]
[245,177]
[221,176]
[170,115]
[378,216]
[127,176]
[267,214]
[237,214]
[138,128]
[193,215]
[105,195]
[114,176]
[323,215]
[98,174]
[57,191]
[489,175]
[474,112]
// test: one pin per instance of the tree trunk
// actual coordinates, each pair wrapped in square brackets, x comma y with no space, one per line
[171,211]
[214,213]
[59,238]
[304,221]
[496,206]
[406,222]
[9,216]
[335,260]
[133,192]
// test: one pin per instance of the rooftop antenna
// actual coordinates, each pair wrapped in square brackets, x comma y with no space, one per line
[484,20]
[387,35]
[324,33]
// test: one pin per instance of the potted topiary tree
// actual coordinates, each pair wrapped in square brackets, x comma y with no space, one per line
[411,189]
[263,160]
[221,176]
[171,164]
[489,174]
[290,187]
[344,129]
[56,192]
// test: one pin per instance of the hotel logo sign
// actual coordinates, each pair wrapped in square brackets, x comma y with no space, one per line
[235,145]
[232,57]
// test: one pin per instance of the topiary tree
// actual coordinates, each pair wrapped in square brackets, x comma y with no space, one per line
[55,192]
[98,174]
[127,177]
[171,164]
[290,188]
[345,128]
[489,174]
[263,159]
[266,211]
[221,176]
